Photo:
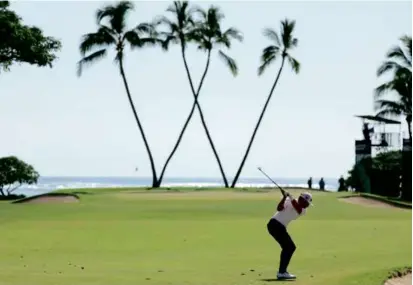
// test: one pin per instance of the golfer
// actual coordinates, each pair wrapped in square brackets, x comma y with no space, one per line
[287,210]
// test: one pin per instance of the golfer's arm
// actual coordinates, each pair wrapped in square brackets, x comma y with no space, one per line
[296,206]
[280,206]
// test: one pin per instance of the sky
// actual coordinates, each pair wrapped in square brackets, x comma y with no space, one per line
[66,125]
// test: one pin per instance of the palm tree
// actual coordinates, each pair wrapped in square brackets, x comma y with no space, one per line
[207,34]
[399,61]
[281,46]
[94,46]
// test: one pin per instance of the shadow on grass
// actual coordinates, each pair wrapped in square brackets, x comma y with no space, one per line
[275,280]
[82,193]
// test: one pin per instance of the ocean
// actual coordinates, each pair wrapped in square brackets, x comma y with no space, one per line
[48,184]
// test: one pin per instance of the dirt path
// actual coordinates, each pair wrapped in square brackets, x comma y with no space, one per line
[367,202]
[405,280]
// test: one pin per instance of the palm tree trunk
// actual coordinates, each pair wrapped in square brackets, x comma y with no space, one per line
[154,177]
[221,169]
[188,119]
[234,182]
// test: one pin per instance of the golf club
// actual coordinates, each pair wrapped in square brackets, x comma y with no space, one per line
[282,190]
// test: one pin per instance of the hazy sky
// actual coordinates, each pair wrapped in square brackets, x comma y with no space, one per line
[65,125]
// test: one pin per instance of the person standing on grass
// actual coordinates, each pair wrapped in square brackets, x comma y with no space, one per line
[322,184]
[310,183]
[288,209]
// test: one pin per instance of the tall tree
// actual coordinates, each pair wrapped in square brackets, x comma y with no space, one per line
[281,46]
[399,62]
[206,32]
[114,34]
[23,44]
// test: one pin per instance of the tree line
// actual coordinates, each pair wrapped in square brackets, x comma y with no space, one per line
[185,24]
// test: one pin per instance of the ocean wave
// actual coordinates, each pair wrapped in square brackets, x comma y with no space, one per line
[47,185]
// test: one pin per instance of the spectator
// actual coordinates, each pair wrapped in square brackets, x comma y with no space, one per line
[342,184]
[322,184]
[310,183]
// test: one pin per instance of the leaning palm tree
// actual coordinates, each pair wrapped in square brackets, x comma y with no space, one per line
[113,33]
[281,47]
[399,61]
[207,34]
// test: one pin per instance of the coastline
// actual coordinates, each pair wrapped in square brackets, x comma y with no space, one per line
[50,184]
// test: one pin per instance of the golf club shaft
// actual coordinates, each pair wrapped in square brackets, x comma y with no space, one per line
[282,190]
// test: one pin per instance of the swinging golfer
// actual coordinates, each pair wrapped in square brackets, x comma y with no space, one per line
[287,210]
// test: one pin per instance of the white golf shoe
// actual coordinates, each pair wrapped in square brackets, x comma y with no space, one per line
[285,275]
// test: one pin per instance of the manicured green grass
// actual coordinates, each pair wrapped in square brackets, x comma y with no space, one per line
[198,238]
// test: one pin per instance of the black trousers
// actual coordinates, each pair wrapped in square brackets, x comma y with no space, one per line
[280,234]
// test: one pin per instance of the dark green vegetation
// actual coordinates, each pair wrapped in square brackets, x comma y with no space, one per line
[23,44]
[13,173]
[387,167]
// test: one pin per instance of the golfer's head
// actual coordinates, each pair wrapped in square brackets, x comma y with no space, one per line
[305,199]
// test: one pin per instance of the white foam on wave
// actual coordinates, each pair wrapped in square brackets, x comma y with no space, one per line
[52,185]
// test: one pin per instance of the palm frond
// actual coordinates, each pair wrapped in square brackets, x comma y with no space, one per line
[214,15]
[396,53]
[202,13]
[178,6]
[88,60]
[295,65]
[401,84]
[179,29]
[387,66]
[269,52]
[182,12]
[272,35]
[104,12]
[388,107]
[388,113]
[146,28]
[116,14]
[268,56]
[162,20]
[233,33]
[407,42]
[287,29]
[135,41]
[230,62]
[167,40]
[265,64]
[382,89]
[102,38]
[204,45]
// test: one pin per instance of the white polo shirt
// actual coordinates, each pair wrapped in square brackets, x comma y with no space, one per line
[288,214]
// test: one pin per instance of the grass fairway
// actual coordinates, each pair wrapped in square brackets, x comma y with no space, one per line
[196,238]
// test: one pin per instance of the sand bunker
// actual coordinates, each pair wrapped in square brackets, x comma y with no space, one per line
[404,280]
[50,198]
[368,202]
